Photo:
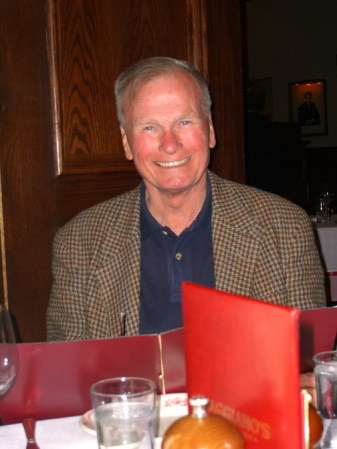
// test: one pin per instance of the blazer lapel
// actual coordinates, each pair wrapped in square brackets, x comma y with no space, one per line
[236,240]
[118,285]
[116,281]
[236,253]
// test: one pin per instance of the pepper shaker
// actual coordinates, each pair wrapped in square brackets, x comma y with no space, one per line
[202,430]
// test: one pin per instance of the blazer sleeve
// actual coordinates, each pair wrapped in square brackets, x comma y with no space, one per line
[66,313]
[95,266]
[303,269]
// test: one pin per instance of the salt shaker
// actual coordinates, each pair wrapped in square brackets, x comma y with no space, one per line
[202,430]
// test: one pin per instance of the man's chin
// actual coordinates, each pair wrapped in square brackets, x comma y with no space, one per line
[176,187]
[176,184]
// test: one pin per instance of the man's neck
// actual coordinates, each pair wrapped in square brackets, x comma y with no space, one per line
[177,211]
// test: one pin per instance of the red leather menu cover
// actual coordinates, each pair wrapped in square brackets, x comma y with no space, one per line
[244,355]
[318,333]
[54,378]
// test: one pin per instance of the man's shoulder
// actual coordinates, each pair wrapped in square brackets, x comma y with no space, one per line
[253,202]
[109,213]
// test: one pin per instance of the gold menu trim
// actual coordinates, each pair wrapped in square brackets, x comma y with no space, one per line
[161,375]
[306,398]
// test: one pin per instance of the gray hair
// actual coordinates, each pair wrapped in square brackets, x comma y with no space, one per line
[142,71]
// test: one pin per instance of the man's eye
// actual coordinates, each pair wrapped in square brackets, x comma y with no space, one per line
[185,122]
[148,128]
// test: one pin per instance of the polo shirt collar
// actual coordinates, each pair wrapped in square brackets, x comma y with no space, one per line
[149,225]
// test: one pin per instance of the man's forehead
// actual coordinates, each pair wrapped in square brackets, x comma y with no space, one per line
[173,74]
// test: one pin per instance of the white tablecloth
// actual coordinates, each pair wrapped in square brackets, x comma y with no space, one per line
[67,433]
[327,243]
[327,234]
[61,433]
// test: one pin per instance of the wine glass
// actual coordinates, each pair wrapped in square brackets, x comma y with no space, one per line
[8,351]
[325,369]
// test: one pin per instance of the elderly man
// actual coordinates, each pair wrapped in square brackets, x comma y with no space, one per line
[118,266]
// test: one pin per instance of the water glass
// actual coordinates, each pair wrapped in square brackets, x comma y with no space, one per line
[325,369]
[322,210]
[8,351]
[125,412]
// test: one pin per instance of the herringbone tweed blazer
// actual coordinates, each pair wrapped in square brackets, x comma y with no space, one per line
[263,247]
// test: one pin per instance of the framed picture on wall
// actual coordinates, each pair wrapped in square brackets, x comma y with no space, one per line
[265,85]
[307,104]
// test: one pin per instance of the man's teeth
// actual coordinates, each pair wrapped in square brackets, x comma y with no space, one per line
[173,163]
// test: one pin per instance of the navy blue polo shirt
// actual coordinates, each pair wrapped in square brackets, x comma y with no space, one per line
[167,260]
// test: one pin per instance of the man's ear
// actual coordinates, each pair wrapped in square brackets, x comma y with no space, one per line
[211,138]
[126,146]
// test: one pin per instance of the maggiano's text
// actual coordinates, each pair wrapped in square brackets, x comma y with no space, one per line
[245,422]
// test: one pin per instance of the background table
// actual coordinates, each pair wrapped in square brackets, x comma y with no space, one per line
[326,234]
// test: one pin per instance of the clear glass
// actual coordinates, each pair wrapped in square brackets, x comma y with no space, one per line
[8,351]
[322,210]
[329,196]
[125,412]
[325,369]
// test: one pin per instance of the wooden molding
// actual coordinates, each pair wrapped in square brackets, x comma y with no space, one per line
[3,252]
[82,101]
[54,87]
[197,35]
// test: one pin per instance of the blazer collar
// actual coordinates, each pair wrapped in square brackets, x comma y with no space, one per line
[229,203]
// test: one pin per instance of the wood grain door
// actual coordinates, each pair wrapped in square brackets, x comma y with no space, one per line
[60,146]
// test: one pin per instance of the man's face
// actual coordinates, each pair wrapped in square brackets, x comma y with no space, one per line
[307,98]
[168,133]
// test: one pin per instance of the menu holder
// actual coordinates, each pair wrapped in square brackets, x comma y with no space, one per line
[54,378]
[318,333]
[244,354]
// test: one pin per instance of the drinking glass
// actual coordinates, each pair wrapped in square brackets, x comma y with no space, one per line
[325,369]
[322,210]
[125,412]
[8,351]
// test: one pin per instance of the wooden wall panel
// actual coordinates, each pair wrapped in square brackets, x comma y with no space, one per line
[224,33]
[93,41]
[76,193]
[26,169]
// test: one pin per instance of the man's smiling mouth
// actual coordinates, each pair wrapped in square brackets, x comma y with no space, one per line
[173,163]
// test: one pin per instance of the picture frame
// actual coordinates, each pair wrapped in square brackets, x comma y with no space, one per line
[266,85]
[307,106]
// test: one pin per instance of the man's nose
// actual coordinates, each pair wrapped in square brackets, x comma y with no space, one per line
[169,142]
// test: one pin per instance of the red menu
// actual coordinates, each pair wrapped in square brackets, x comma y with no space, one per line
[54,378]
[318,333]
[244,355]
